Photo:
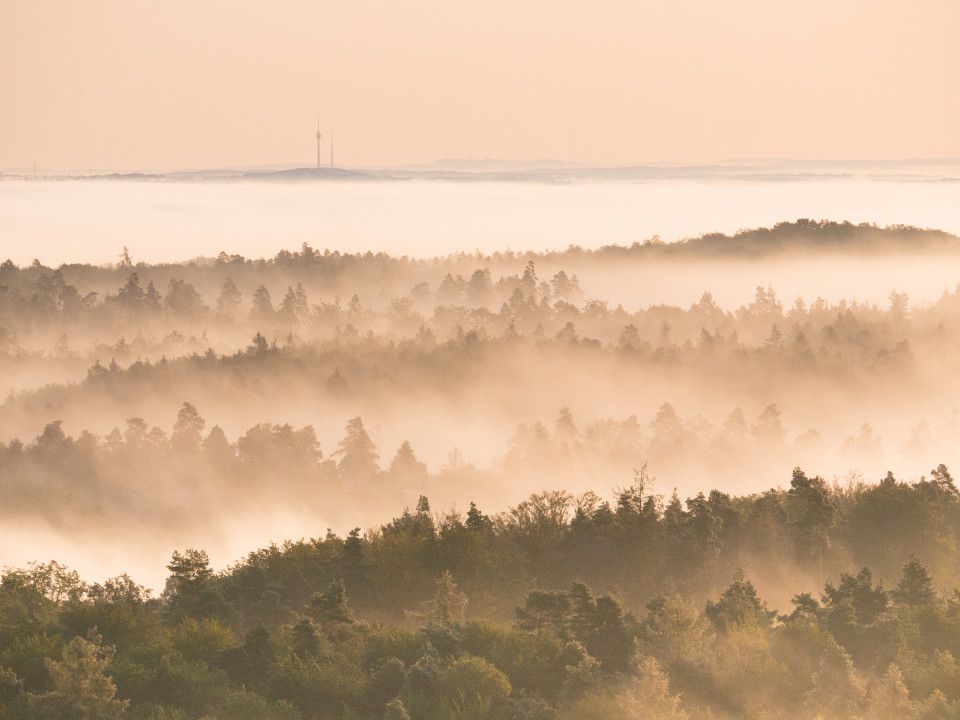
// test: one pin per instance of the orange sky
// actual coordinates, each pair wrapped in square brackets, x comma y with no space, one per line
[145,84]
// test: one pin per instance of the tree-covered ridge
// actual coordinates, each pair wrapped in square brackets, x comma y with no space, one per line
[807,236]
[145,311]
[558,608]
[216,290]
[803,235]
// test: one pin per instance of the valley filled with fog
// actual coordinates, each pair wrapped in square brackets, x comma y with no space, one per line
[722,361]
[605,367]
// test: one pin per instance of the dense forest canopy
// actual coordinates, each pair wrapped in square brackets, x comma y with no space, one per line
[560,607]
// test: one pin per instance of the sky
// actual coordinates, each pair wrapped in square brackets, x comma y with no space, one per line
[180,84]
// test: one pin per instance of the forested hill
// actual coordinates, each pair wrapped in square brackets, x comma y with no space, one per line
[640,607]
[803,236]
[810,236]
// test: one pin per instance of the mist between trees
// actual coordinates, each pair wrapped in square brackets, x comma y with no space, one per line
[144,478]
[561,607]
[191,403]
[517,371]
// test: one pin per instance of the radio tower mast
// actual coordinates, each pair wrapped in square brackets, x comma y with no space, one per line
[318,142]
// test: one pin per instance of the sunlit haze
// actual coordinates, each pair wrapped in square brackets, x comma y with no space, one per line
[110,84]
[538,360]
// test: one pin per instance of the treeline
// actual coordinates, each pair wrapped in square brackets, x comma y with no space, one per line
[311,290]
[151,479]
[195,474]
[835,338]
[812,236]
[844,343]
[637,607]
[56,323]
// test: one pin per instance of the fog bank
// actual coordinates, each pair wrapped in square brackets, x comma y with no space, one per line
[90,221]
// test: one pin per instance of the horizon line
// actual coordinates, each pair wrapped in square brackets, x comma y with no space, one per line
[535,164]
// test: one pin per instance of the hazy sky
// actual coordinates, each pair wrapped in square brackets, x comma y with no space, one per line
[184,84]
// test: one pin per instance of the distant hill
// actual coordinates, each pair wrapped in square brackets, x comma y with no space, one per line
[487,165]
[561,171]
[311,174]
[802,236]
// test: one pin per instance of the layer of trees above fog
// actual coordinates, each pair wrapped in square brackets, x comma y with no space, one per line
[313,292]
[816,601]
[275,357]
[469,341]
[58,323]
[154,478]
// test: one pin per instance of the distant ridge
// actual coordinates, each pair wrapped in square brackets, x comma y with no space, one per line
[486,165]
[801,236]
[937,170]
[312,174]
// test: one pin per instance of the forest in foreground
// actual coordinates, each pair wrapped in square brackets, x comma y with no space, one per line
[560,607]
